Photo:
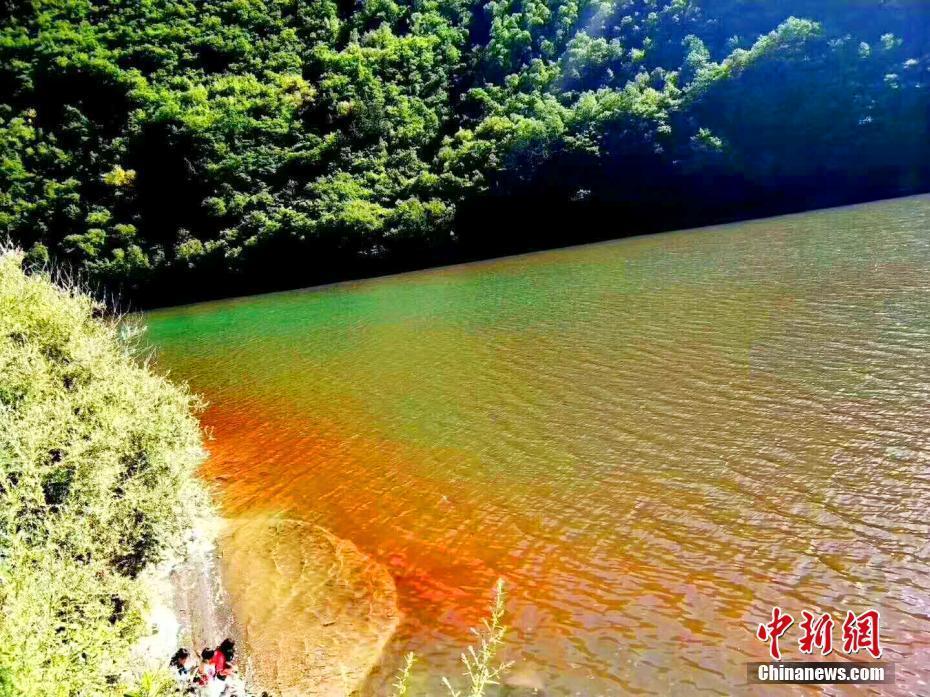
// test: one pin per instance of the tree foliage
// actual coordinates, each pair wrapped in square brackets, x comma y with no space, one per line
[173,143]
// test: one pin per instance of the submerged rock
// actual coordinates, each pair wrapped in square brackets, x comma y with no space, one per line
[522,682]
[314,612]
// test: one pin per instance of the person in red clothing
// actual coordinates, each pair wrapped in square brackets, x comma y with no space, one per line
[218,661]
[224,659]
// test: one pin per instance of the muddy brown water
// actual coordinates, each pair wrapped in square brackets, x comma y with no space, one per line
[653,441]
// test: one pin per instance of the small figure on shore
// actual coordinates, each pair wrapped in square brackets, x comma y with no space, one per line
[223,659]
[216,675]
[205,677]
[182,669]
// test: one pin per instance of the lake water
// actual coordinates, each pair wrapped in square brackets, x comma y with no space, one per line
[653,441]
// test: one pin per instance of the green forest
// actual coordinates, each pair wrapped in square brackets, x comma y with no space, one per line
[171,150]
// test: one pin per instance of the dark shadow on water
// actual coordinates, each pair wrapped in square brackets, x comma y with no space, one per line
[494,226]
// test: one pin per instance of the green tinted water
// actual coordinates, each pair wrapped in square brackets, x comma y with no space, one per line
[653,440]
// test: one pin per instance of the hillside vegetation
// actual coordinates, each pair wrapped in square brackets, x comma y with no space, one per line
[180,148]
[97,456]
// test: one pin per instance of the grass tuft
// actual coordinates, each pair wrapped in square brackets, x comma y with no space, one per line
[481,669]
[401,684]
[481,672]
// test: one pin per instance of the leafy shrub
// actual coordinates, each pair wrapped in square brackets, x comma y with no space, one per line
[97,455]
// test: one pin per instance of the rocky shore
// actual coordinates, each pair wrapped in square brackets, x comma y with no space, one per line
[188,605]
[311,614]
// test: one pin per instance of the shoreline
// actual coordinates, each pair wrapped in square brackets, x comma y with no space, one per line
[470,261]
[199,596]
[187,602]
[291,583]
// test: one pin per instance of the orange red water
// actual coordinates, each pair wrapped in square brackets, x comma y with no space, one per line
[653,441]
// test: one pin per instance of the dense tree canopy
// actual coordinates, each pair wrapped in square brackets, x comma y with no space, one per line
[184,147]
